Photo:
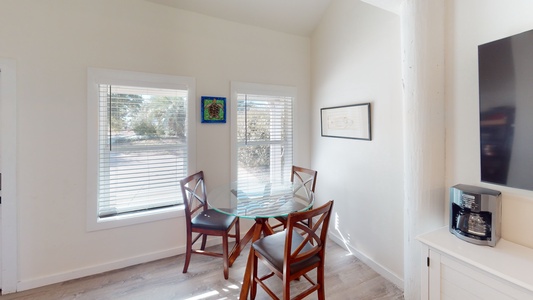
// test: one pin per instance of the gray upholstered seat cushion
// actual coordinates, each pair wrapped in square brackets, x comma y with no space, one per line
[272,247]
[212,219]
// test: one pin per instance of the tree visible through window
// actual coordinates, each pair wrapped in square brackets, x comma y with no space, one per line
[143,148]
[263,134]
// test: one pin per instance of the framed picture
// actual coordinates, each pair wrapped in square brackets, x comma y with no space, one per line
[213,109]
[349,121]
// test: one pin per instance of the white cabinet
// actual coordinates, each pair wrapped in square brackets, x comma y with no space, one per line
[455,269]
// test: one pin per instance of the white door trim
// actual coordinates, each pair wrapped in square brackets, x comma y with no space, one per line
[8,146]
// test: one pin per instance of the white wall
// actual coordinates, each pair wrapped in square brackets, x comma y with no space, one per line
[53,42]
[473,23]
[356,58]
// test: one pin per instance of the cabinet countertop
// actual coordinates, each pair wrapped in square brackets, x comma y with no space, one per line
[506,260]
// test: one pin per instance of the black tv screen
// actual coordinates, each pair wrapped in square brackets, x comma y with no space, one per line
[506,111]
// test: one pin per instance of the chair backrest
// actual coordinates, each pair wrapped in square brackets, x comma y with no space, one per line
[194,195]
[314,238]
[304,181]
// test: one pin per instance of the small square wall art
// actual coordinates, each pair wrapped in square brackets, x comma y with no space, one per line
[213,109]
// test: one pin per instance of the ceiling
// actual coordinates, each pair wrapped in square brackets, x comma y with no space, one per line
[299,17]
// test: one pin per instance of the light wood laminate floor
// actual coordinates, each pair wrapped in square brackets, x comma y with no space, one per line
[346,278]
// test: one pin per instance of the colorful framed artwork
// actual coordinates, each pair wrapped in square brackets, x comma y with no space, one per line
[349,122]
[213,109]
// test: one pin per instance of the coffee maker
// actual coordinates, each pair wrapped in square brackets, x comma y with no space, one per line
[475,214]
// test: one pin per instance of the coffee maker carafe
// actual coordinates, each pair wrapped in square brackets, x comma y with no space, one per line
[475,214]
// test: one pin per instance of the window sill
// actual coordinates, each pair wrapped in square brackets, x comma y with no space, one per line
[95,223]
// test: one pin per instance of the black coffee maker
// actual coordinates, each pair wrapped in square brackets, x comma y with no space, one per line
[475,214]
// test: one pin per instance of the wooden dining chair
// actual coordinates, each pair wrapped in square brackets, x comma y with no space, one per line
[304,181]
[204,222]
[294,252]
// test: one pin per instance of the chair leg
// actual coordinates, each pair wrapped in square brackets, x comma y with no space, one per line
[225,255]
[286,287]
[320,280]
[237,241]
[204,241]
[237,232]
[253,288]
[188,252]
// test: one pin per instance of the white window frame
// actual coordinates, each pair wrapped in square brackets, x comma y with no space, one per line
[96,76]
[258,89]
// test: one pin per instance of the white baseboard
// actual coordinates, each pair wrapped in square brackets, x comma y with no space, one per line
[32,283]
[127,262]
[386,273]
[96,269]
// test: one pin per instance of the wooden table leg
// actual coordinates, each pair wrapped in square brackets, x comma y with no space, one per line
[261,225]
[242,244]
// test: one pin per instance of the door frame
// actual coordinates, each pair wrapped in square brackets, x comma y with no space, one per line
[8,148]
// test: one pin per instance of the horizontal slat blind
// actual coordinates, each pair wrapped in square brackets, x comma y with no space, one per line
[143,148]
[264,138]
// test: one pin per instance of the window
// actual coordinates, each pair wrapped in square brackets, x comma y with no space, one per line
[139,146]
[262,132]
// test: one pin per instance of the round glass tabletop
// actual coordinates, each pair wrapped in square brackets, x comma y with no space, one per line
[260,200]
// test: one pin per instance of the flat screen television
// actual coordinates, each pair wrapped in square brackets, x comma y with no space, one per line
[506,111]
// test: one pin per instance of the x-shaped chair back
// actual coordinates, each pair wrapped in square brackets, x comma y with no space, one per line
[304,250]
[194,196]
[304,181]
[314,237]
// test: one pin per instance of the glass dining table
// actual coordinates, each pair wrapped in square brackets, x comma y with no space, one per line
[259,201]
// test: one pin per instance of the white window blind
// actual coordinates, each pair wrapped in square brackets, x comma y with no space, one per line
[264,137]
[142,148]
